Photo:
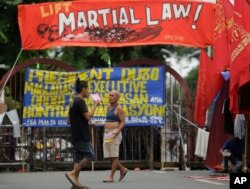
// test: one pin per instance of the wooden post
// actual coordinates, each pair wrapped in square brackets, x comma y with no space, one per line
[93,143]
[163,146]
[151,155]
[245,160]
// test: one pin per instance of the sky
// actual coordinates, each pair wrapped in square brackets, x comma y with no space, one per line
[182,65]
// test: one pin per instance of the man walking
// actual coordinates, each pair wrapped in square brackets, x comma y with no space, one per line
[115,122]
[79,118]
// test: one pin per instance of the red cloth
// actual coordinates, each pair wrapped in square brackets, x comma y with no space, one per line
[210,80]
[209,83]
[240,51]
[223,18]
[217,136]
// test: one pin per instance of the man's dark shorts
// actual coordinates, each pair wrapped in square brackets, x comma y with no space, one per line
[83,149]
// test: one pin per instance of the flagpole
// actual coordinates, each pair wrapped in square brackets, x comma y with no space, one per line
[5,82]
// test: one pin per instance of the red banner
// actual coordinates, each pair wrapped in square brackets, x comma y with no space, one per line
[240,51]
[116,23]
[223,26]
[209,84]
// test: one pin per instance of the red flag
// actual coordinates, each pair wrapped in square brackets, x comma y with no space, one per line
[223,20]
[210,80]
[217,135]
[209,83]
[240,51]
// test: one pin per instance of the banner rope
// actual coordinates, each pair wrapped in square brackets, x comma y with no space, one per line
[186,120]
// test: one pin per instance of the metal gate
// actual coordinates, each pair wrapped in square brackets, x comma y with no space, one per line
[142,147]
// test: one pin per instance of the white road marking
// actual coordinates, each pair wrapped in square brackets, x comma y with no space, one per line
[210,182]
[161,172]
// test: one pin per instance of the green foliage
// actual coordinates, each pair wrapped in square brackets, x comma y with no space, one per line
[9,36]
[191,80]
[3,37]
[10,101]
[185,51]
[13,2]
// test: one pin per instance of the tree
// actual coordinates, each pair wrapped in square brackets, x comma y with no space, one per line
[191,80]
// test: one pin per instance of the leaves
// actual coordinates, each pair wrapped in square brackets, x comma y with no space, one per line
[13,2]
[3,37]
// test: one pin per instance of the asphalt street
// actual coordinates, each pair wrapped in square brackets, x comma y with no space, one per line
[144,179]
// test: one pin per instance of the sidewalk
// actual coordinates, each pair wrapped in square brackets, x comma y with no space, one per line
[145,179]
